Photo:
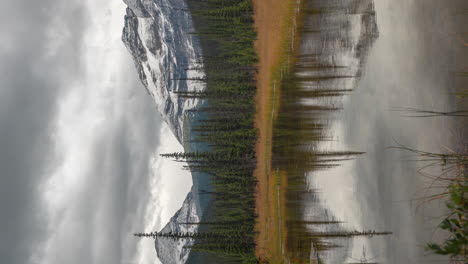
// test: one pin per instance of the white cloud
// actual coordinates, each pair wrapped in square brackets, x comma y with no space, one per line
[169,185]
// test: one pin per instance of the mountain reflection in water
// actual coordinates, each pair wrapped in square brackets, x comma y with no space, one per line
[345,189]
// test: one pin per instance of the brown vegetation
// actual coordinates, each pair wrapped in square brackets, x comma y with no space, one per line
[270,20]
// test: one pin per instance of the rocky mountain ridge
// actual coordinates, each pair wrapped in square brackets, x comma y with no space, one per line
[156,33]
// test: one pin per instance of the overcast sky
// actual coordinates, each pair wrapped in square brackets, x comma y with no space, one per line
[79,139]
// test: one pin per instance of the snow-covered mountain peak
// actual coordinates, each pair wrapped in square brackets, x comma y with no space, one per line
[157,34]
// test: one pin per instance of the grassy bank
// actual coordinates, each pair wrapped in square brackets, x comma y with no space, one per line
[274,23]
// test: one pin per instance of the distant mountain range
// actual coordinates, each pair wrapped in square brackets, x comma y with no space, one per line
[156,33]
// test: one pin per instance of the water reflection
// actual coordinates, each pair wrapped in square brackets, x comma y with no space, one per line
[344,188]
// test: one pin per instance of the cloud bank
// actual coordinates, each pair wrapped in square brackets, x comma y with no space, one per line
[79,139]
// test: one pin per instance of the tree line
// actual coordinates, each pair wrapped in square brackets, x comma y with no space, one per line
[226,33]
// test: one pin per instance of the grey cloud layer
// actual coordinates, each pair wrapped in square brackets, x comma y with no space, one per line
[102,218]
[31,84]
[28,92]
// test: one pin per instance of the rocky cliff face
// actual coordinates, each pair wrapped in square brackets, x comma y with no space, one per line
[157,35]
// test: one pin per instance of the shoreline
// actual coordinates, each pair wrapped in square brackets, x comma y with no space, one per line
[273,22]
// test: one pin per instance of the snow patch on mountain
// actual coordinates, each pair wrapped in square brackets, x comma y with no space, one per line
[174,252]
[157,34]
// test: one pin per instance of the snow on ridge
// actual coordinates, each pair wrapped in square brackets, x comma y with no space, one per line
[157,35]
[177,252]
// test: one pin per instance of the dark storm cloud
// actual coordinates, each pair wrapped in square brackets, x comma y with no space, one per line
[29,86]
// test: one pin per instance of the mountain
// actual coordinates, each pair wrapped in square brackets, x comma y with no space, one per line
[157,35]
[173,252]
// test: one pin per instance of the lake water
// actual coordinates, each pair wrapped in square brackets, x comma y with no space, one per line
[394,55]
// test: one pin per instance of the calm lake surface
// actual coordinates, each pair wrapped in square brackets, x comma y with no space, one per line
[393,55]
